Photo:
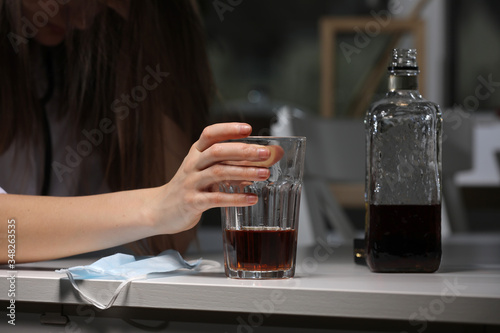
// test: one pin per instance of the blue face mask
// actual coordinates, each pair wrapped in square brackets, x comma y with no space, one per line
[128,268]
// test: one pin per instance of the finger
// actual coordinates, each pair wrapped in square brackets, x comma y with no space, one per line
[222,132]
[232,151]
[220,173]
[276,153]
[208,200]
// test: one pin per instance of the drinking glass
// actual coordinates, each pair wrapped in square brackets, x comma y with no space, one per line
[260,241]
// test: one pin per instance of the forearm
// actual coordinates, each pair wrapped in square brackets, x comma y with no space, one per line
[54,227]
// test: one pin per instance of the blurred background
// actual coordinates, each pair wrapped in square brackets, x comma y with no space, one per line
[322,58]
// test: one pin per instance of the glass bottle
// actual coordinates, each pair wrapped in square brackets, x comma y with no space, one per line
[403,174]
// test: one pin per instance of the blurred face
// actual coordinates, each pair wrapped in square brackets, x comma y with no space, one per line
[51,19]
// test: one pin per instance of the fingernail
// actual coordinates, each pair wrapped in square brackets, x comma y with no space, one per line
[263,173]
[263,153]
[245,129]
[251,199]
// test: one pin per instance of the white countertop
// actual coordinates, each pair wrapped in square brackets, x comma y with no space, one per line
[466,289]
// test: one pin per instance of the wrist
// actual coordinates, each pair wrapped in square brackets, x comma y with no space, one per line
[148,213]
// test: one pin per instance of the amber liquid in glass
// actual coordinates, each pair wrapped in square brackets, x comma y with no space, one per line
[404,238]
[260,249]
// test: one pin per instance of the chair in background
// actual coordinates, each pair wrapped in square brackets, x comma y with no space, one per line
[457,156]
[334,155]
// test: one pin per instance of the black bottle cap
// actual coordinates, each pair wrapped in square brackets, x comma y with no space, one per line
[359,251]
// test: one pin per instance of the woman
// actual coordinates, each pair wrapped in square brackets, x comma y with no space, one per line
[107,97]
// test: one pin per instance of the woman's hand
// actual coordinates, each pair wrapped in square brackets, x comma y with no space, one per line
[106,220]
[178,205]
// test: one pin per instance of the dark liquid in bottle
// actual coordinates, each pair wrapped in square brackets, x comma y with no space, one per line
[259,249]
[404,238]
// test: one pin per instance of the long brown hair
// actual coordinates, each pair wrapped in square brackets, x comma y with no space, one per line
[101,64]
